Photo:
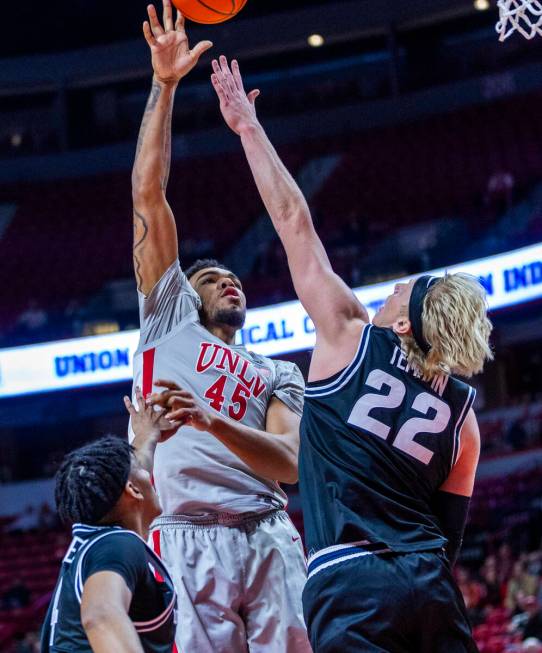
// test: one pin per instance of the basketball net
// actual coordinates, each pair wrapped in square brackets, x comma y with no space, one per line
[523,16]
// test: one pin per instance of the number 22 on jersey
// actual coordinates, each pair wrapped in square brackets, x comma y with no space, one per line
[392,399]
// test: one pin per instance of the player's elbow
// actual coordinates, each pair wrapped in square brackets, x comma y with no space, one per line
[146,191]
[99,617]
[294,217]
[290,473]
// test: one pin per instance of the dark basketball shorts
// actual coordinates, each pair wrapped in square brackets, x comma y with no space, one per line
[386,603]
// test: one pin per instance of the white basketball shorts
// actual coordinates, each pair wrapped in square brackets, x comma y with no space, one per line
[239,580]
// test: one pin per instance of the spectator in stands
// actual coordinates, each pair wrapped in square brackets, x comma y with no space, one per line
[32,320]
[472,591]
[16,596]
[517,435]
[29,644]
[500,192]
[520,585]
[533,626]
[505,562]
[47,519]
[491,584]
[26,521]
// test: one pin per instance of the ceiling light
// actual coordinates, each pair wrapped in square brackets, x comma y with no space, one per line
[481,5]
[315,40]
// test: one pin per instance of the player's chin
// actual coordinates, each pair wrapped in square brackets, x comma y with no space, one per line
[156,507]
[230,314]
[377,321]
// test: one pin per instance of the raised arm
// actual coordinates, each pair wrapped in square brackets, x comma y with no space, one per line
[326,298]
[150,427]
[155,233]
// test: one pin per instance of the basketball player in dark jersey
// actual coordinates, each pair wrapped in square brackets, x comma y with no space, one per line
[113,592]
[389,440]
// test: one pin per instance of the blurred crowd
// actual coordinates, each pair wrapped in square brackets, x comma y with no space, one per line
[512,584]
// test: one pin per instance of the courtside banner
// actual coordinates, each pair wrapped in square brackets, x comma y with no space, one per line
[511,278]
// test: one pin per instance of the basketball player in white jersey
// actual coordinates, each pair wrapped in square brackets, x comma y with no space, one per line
[235,557]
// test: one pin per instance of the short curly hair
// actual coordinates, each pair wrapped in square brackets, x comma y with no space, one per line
[202,264]
[91,480]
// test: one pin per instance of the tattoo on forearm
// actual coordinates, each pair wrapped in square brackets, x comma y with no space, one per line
[151,104]
[141,230]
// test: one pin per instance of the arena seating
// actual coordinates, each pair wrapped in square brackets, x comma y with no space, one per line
[32,558]
[440,166]
[396,176]
[500,506]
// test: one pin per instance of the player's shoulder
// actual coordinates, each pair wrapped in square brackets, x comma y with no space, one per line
[381,335]
[117,542]
[276,367]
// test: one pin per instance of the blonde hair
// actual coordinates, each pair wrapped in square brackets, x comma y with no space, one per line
[455,324]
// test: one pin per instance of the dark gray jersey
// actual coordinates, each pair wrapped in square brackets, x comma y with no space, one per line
[95,549]
[377,442]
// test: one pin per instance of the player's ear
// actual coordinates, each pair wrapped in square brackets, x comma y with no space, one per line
[133,491]
[402,326]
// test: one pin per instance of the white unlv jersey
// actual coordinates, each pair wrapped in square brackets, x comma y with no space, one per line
[194,473]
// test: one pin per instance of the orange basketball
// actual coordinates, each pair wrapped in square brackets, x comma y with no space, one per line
[209,11]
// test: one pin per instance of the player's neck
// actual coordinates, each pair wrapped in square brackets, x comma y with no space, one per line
[132,521]
[223,332]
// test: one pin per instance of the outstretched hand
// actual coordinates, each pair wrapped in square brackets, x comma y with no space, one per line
[147,422]
[172,57]
[181,406]
[237,107]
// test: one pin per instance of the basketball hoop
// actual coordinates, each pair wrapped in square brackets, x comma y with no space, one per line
[523,16]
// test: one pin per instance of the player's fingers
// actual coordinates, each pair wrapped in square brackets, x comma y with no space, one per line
[182,415]
[226,72]
[217,70]
[140,398]
[218,88]
[221,80]
[147,33]
[162,398]
[167,15]
[129,406]
[237,75]
[164,383]
[179,22]
[156,399]
[180,402]
[156,28]
[253,95]
[200,48]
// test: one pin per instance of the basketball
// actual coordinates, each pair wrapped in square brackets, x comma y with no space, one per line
[209,11]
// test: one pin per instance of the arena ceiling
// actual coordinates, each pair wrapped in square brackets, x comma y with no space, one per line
[74,24]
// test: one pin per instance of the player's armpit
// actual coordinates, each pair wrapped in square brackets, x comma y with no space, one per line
[155,243]
[104,614]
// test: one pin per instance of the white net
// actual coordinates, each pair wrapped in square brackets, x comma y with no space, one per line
[523,16]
